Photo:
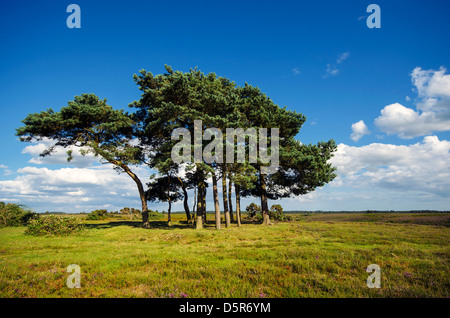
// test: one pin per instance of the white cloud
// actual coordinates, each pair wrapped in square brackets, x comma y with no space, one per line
[408,123]
[359,129]
[59,156]
[341,58]
[6,170]
[433,89]
[295,71]
[73,189]
[423,167]
[433,107]
[332,69]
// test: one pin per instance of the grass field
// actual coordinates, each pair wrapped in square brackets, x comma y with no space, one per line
[317,255]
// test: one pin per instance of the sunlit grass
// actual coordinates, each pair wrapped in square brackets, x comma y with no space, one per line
[308,258]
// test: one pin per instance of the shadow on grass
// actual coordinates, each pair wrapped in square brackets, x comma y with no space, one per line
[161,225]
[138,224]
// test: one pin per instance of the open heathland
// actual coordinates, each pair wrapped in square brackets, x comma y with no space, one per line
[312,255]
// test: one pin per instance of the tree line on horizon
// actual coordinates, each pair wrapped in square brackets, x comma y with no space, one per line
[174,100]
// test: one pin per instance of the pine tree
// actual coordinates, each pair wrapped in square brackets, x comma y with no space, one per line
[89,123]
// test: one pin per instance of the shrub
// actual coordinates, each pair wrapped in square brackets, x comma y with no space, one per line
[276,213]
[12,214]
[154,215]
[97,215]
[253,209]
[53,225]
[131,213]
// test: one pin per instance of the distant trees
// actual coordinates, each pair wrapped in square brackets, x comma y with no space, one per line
[206,110]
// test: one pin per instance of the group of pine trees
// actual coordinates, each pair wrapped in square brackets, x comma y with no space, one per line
[175,100]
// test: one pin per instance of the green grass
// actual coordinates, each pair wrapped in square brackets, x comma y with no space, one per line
[322,256]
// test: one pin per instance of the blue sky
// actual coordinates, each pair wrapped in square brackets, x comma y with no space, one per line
[316,57]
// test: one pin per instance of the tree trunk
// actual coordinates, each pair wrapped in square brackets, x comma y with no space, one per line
[225,198]
[185,201]
[169,216]
[264,205]
[199,221]
[145,221]
[230,205]
[195,203]
[204,205]
[216,201]
[238,204]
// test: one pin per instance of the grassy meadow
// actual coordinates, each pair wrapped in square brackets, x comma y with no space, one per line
[315,255]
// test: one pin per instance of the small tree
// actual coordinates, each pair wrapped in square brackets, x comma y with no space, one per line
[165,190]
[253,209]
[276,212]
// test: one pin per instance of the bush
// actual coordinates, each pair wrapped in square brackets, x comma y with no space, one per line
[12,214]
[276,213]
[97,215]
[53,225]
[252,210]
[152,215]
[131,213]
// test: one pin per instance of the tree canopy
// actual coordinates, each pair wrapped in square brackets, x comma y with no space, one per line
[209,110]
[91,124]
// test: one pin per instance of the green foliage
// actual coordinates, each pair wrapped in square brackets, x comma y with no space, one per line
[163,189]
[252,210]
[12,214]
[276,213]
[176,100]
[152,215]
[131,213]
[90,123]
[53,225]
[97,215]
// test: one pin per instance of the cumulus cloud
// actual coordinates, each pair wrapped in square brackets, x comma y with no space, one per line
[359,129]
[59,156]
[73,189]
[423,166]
[433,89]
[433,107]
